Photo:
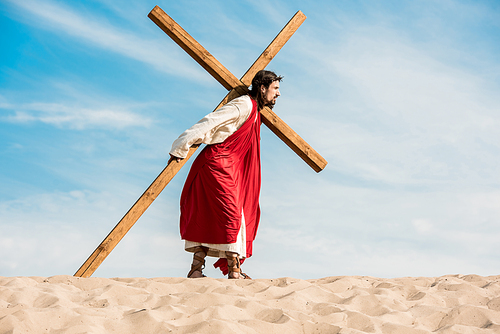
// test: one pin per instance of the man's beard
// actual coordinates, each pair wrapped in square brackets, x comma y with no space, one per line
[270,104]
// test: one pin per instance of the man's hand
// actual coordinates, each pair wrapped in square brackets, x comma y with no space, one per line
[173,158]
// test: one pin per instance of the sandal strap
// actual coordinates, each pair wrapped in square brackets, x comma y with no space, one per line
[234,266]
[201,264]
[198,267]
[200,249]
[201,259]
[245,275]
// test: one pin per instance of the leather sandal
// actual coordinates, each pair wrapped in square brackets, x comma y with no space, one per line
[201,264]
[245,275]
[233,266]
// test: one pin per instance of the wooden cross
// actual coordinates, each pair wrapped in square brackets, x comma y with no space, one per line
[236,88]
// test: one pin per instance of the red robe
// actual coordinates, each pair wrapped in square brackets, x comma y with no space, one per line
[223,182]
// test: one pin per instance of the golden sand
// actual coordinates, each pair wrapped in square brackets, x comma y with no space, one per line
[347,304]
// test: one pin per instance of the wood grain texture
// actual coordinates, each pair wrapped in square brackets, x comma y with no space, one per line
[293,140]
[193,48]
[266,56]
[274,47]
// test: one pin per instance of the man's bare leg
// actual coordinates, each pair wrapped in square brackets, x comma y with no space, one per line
[198,262]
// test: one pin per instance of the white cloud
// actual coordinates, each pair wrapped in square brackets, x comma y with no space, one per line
[75,117]
[54,233]
[98,32]
[422,226]
[386,109]
[353,230]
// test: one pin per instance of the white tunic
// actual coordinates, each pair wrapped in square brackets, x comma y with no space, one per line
[213,129]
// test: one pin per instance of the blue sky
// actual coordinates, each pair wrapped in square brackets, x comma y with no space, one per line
[401,97]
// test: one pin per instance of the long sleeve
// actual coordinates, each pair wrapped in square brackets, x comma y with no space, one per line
[215,127]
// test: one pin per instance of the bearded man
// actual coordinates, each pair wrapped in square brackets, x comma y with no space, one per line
[219,203]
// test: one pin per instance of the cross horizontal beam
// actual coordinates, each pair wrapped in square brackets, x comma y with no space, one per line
[230,82]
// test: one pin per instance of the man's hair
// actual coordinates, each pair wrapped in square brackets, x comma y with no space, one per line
[263,77]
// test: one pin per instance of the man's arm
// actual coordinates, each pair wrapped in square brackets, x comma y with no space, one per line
[213,128]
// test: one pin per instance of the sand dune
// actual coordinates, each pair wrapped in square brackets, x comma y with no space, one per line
[348,304]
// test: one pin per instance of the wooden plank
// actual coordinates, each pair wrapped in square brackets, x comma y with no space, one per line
[193,48]
[267,55]
[274,47]
[293,140]
[131,217]
[287,135]
[240,87]
[135,212]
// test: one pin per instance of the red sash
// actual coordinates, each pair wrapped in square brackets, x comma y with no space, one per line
[223,182]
